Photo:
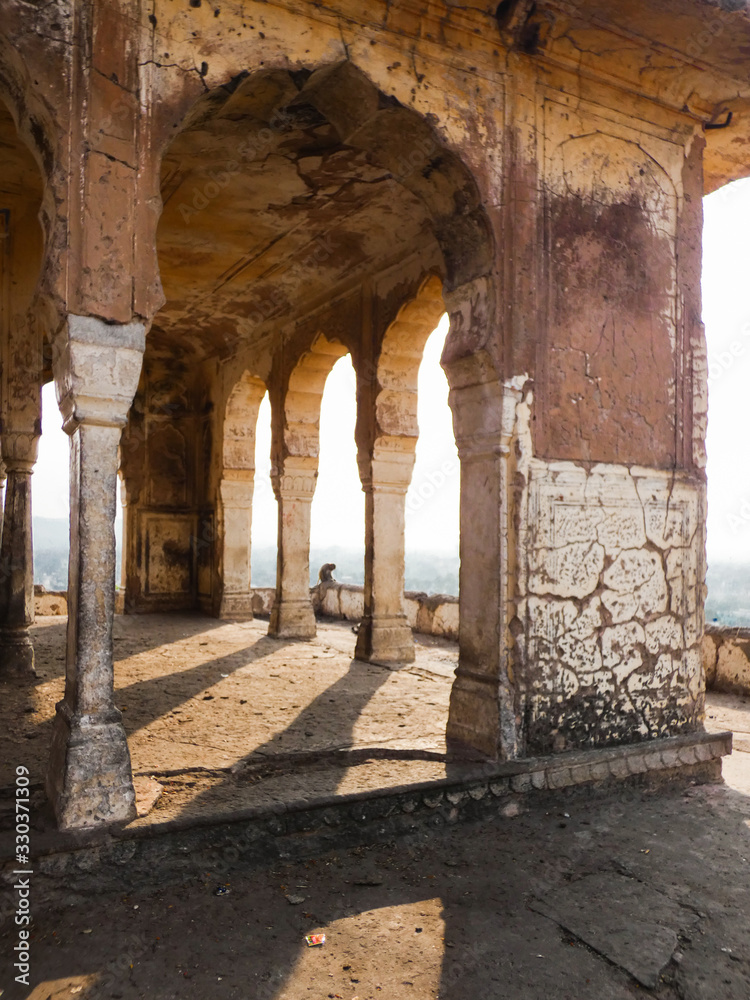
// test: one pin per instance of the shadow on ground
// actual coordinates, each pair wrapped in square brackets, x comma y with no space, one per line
[454,914]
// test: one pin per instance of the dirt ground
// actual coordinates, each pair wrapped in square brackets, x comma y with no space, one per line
[204,701]
[579,899]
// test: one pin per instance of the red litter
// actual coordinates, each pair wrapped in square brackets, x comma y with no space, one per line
[313,940]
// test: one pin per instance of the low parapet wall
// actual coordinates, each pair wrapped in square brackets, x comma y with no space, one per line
[50,602]
[433,614]
[436,614]
[726,658]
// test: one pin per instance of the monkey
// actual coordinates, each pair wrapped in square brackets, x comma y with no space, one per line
[326,573]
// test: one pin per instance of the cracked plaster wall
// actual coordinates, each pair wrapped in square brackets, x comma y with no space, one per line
[607,614]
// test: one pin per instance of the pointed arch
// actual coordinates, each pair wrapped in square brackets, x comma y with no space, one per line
[296,448]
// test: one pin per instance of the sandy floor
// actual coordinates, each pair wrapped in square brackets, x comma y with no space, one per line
[221,716]
[571,901]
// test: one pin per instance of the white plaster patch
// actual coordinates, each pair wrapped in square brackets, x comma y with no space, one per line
[624,632]
[638,574]
[664,633]
[620,648]
[622,530]
[692,672]
[570,571]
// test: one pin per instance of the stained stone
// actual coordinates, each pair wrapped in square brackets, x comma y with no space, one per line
[626,921]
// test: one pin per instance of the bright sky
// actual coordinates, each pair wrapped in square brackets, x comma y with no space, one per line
[338,508]
[726,313]
[432,501]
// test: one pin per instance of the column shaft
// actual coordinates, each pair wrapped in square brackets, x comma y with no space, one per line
[482,703]
[236,523]
[384,633]
[292,615]
[17,573]
[89,780]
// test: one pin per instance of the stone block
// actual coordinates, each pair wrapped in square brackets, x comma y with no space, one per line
[522,782]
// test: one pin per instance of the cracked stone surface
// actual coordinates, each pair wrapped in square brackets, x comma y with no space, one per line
[609,603]
[629,923]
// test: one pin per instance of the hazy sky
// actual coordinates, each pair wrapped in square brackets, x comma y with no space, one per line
[432,502]
[338,506]
[726,312]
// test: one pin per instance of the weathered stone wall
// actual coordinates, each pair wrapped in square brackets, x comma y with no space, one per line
[726,658]
[50,602]
[434,614]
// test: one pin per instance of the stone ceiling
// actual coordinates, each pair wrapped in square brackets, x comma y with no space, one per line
[265,213]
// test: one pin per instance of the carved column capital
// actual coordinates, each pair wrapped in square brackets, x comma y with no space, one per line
[390,467]
[97,367]
[294,485]
[485,417]
[19,452]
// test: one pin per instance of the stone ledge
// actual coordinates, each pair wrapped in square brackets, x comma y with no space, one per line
[303,828]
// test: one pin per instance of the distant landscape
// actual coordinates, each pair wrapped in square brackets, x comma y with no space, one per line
[433,574]
[728,601]
[51,547]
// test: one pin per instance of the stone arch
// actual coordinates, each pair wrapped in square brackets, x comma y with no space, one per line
[294,471]
[302,399]
[235,500]
[240,416]
[364,120]
[398,364]
[22,332]
[40,135]
[33,120]
[324,128]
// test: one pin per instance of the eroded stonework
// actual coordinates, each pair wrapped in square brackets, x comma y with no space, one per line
[610,648]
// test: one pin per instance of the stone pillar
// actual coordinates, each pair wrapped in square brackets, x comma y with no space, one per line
[292,615]
[385,636]
[17,555]
[236,522]
[96,371]
[482,704]
[3,478]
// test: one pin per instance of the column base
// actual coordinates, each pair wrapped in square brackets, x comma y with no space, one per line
[292,620]
[89,781]
[16,653]
[236,607]
[385,641]
[474,714]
